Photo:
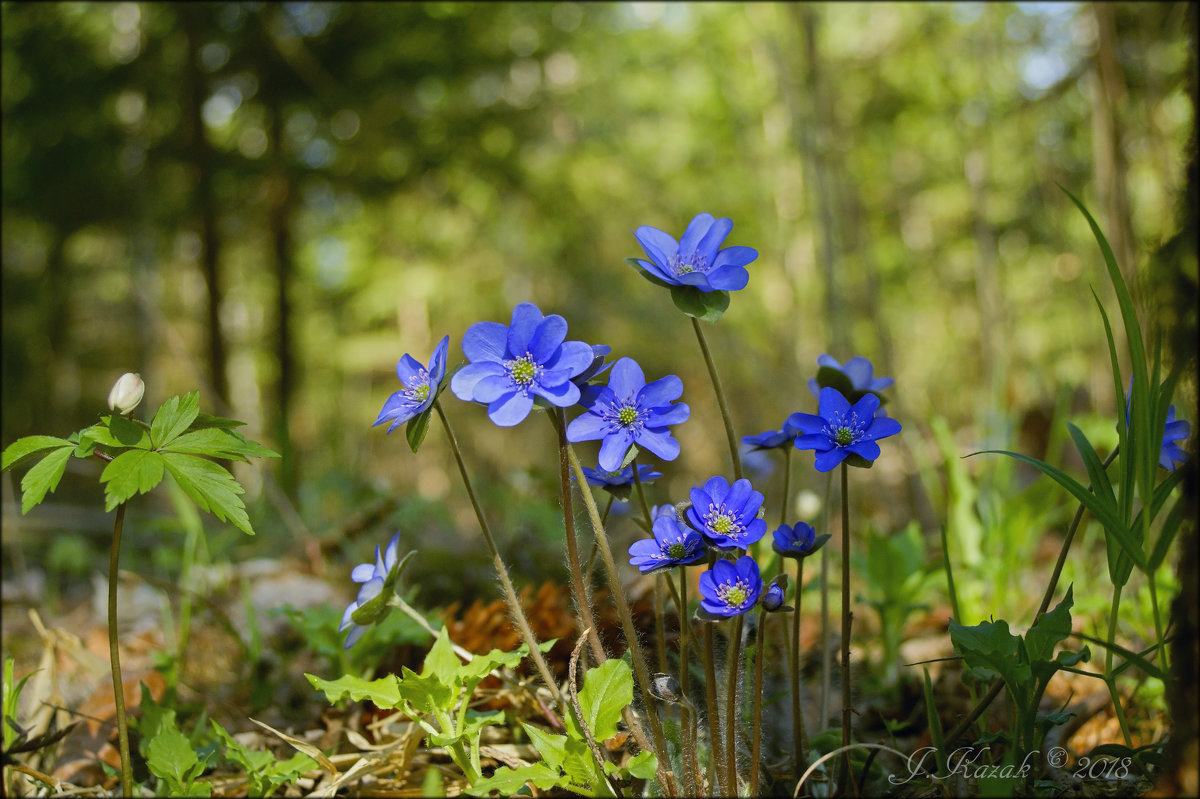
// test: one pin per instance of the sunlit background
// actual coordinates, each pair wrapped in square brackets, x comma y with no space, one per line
[273,202]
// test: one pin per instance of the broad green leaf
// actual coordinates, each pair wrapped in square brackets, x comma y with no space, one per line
[204,420]
[643,765]
[134,471]
[117,431]
[29,446]
[580,767]
[210,487]
[1050,629]
[384,692]
[441,661]
[707,306]
[508,781]
[252,762]
[552,748]
[174,417]
[607,689]
[430,693]
[218,442]
[170,757]
[990,650]
[44,477]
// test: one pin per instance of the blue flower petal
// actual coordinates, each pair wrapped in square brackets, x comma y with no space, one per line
[660,442]
[735,256]
[510,410]
[612,451]
[710,244]
[492,388]
[825,461]
[658,244]
[575,357]
[484,341]
[564,394]
[832,402]
[728,278]
[808,423]
[547,337]
[883,426]
[626,378]
[408,369]
[661,392]
[867,449]
[696,230]
[675,414]
[526,318]
[463,384]
[587,427]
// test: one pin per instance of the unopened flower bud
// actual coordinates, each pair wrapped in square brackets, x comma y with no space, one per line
[772,598]
[126,393]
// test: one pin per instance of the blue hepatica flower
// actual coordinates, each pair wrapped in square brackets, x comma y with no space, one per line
[509,366]
[839,430]
[629,411]
[1176,430]
[373,576]
[603,479]
[696,259]
[772,439]
[858,370]
[727,514]
[730,588]
[673,544]
[418,387]
[772,598]
[795,541]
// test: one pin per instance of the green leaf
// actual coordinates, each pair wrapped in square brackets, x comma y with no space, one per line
[1050,629]
[204,420]
[643,765]
[607,689]
[134,471]
[44,477]
[218,442]
[174,417]
[508,781]
[1167,535]
[384,692]
[990,650]
[552,748]
[24,448]
[707,306]
[441,661]
[427,693]
[417,428]
[210,487]
[1095,469]
[170,757]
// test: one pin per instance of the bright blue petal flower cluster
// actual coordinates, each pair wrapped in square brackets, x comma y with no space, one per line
[858,369]
[624,477]
[674,544]
[696,259]
[509,366]
[727,514]
[418,387]
[730,588]
[628,411]
[839,430]
[372,576]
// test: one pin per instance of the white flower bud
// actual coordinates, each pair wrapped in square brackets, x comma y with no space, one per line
[126,393]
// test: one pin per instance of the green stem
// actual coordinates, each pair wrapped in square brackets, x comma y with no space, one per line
[826,659]
[798,741]
[715,735]
[510,593]
[1112,628]
[641,673]
[756,739]
[716,381]
[847,619]
[582,597]
[591,563]
[731,690]
[114,655]
[686,722]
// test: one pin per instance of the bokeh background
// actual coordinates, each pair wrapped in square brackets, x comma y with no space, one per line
[273,202]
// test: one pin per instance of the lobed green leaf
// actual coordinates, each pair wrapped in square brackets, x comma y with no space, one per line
[28,447]
[44,477]
[134,471]
[384,692]
[174,417]
[218,442]
[707,306]
[210,487]
[509,781]
[607,689]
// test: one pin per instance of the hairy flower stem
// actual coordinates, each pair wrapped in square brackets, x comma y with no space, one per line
[826,660]
[847,618]
[660,596]
[716,381]
[591,561]
[717,762]
[510,593]
[998,685]
[114,655]
[582,596]
[687,722]
[798,742]
[665,776]
[732,662]
[756,738]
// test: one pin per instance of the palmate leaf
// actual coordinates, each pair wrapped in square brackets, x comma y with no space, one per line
[211,487]
[134,471]
[28,447]
[218,442]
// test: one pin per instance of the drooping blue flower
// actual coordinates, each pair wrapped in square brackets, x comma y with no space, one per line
[1176,430]
[373,576]
[696,259]
[858,370]
[673,544]
[795,541]
[727,514]
[772,439]
[510,366]
[418,387]
[629,411]
[602,479]
[730,588]
[839,430]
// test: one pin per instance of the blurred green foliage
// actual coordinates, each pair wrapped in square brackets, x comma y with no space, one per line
[273,202]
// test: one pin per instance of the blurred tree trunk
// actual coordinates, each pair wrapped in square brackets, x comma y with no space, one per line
[279,208]
[1110,166]
[200,155]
